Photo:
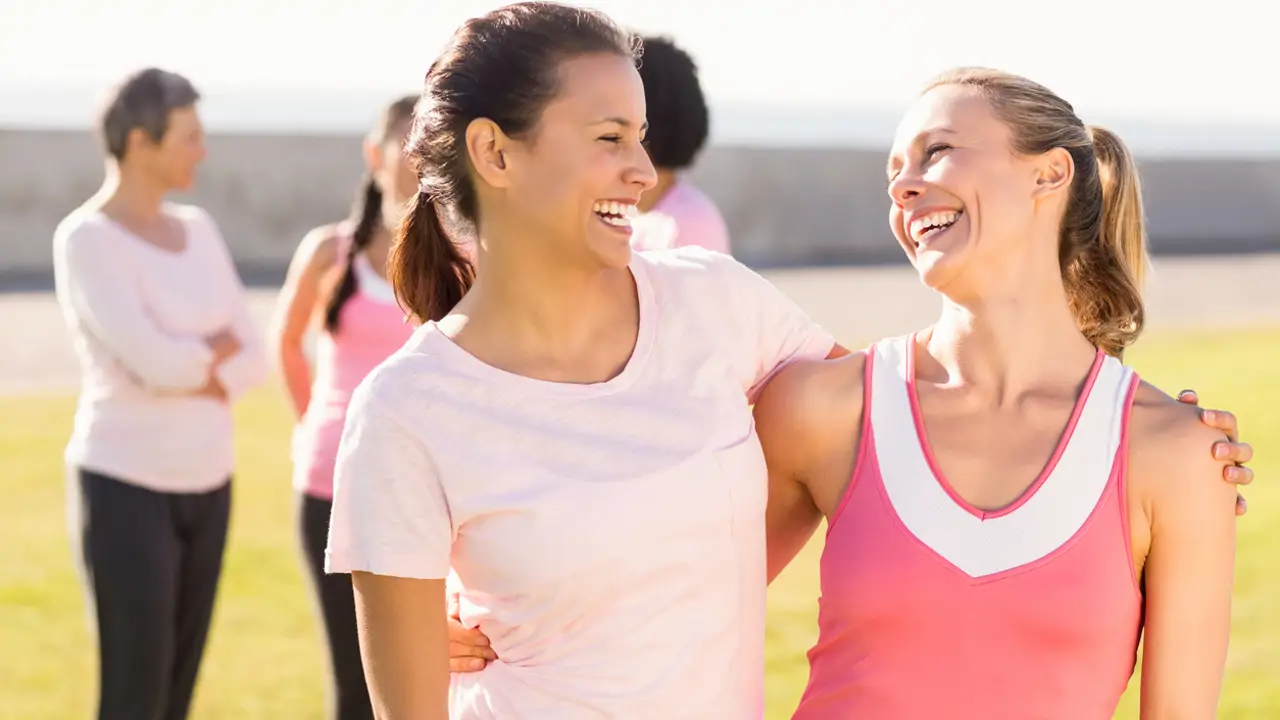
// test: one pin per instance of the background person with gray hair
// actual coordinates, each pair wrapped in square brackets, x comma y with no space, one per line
[159,320]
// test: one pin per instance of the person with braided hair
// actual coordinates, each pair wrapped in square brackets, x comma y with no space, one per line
[337,281]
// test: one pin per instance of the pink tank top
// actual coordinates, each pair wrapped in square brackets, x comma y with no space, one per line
[371,327]
[932,608]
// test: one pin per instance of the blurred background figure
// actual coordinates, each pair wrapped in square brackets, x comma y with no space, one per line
[679,213]
[338,277]
[159,320]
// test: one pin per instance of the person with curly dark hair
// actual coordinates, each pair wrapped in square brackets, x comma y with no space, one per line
[679,123]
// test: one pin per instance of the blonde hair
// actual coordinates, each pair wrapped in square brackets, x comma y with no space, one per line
[1102,247]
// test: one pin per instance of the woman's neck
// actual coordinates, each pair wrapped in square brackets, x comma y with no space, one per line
[392,211]
[533,313]
[377,250]
[130,195]
[1006,345]
[555,308]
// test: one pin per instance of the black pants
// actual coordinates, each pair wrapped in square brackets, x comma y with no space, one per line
[151,563]
[349,694]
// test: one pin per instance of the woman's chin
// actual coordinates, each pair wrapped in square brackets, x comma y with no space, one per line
[935,270]
[182,183]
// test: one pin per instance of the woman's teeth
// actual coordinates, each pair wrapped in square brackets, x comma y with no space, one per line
[615,213]
[933,222]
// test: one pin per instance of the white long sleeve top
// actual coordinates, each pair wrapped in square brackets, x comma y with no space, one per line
[138,316]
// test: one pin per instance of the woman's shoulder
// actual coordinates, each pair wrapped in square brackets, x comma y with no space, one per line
[811,385]
[190,214]
[811,411]
[688,201]
[1170,449]
[416,376]
[698,219]
[88,240]
[816,398]
[200,224]
[684,259]
[85,221]
[697,267]
[325,245]
[1160,421]
[708,289]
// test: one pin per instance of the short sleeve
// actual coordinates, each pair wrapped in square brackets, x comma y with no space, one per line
[773,330]
[390,514]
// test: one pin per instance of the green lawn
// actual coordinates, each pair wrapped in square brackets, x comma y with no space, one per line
[264,658]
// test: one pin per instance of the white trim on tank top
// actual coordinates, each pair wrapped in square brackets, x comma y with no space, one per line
[977,546]
[370,282]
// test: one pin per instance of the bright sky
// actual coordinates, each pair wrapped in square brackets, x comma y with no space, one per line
[1170,59]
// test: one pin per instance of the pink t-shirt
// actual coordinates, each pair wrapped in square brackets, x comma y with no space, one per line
[608,538]
[684,217]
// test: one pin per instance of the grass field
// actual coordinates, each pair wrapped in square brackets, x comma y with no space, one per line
[264,658]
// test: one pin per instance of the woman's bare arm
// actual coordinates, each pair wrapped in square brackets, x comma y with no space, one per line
[297,305]
[791,517]
[1189,567]
[807,418]
[404,645]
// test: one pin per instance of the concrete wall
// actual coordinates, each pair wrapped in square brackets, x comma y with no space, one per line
[785,207]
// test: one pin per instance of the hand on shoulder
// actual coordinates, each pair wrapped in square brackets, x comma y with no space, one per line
[1184,553]
[1171,459]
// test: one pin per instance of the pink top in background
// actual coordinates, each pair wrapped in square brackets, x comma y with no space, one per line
[372,327]
[684,217]
[607,537]
[932,608]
